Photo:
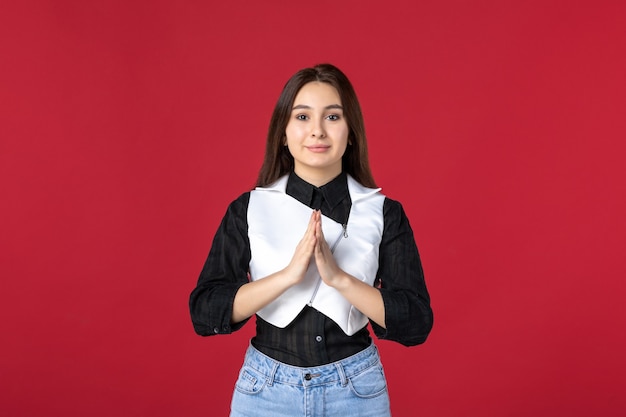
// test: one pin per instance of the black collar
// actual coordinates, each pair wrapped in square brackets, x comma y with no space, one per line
[333,192]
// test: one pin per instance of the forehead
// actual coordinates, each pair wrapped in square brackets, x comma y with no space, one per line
[317,92]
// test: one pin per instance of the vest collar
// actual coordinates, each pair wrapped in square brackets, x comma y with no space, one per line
[357,191]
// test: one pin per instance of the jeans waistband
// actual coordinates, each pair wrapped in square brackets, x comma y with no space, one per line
[306,376]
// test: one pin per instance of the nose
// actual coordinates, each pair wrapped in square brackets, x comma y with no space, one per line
[318,130]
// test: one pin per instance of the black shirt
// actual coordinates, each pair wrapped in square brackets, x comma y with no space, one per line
[312,338]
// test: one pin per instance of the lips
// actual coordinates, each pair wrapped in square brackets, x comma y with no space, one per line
[318,149]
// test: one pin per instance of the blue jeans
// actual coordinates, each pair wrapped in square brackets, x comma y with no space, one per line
[354,386]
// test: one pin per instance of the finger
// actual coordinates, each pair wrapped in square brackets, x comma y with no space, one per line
[318,229]
[312,219]
[321,245]
[319,251]
[310,228]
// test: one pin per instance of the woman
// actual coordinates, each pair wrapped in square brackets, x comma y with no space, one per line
[316,252]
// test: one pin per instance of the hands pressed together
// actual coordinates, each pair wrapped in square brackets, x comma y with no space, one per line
[314,245]
[255,295]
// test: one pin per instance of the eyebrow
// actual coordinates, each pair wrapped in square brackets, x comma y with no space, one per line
[304,106]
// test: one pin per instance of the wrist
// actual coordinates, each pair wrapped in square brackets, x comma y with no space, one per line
[343,282]
[288,277]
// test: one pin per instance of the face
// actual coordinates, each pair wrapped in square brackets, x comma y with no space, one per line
[317,133]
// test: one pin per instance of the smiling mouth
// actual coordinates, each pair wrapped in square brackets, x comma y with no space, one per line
[318,148]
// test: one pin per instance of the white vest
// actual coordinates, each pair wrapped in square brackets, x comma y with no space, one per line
[277,222]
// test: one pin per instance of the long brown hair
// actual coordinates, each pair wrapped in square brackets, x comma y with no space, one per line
[278,161]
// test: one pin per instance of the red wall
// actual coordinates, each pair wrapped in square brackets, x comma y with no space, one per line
[126,127]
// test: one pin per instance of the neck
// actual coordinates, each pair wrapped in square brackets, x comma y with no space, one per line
[317,177]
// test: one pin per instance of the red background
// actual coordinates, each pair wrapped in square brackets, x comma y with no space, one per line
[128,126]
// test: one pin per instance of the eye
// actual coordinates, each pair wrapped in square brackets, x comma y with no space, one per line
[333,117]
[301,117]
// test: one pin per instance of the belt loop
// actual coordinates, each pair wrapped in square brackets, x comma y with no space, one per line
[270,378]
[342,374]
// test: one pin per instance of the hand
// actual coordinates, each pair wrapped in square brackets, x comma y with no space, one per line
[254,295]
[327,267]
[301,258]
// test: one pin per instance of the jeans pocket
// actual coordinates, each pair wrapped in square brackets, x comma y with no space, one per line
[250,381]
[369,383]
